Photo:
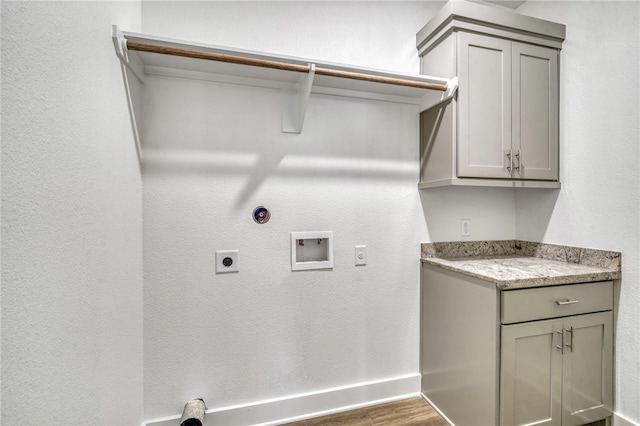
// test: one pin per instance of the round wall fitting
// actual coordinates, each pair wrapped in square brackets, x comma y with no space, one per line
[261,215]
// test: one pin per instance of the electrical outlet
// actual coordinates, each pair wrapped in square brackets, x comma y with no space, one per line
[361,255]
[227,261]
[465,227]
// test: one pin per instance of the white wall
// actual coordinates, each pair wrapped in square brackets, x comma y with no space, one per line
[71,219]
[599,204]
[71,240]
[375,34]
[214,152]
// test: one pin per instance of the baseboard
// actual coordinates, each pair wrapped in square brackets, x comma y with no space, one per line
[307,405]
[620,420]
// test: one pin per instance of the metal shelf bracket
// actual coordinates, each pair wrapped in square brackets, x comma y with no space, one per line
[295,102]
[120,45]
[428,102]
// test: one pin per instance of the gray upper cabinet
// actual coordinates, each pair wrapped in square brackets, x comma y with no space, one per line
[502,128]
[508,109]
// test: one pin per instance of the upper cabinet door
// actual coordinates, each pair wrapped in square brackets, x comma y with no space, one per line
[484,102]
[535,112]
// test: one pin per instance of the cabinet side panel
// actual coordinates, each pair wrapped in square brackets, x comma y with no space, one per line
[436,149]
[459,346]
[439,61]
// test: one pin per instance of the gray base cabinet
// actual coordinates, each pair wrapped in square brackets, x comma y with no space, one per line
[540,356]
[557,372]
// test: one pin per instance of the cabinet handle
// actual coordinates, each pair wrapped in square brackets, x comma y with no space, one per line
[510,166]
[566,302]
[517,155]
[561,347]
[570,331]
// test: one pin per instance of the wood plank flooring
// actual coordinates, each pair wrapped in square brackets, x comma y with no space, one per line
[407,412]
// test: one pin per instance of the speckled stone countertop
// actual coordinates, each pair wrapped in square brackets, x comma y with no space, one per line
[515,264]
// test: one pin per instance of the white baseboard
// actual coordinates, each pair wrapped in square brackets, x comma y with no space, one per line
[620,420]
[303,406]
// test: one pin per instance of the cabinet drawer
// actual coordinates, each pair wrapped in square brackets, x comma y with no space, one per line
[556,301]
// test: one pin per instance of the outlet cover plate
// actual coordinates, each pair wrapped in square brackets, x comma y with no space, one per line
[465,227]
[361,255]
[227,261]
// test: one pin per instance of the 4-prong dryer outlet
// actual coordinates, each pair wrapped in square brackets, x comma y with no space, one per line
[226,261]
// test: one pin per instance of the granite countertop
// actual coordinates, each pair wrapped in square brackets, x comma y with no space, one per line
[515,264]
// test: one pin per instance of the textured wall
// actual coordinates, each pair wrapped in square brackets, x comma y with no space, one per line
[213,152]
[599,204]
[71,280]
[71,219]
[375,34]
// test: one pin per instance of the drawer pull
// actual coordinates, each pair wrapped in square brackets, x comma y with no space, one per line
[566,302]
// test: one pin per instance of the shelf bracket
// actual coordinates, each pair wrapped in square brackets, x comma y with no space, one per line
[295,101]
[120,44]
[428,102]
[131,87]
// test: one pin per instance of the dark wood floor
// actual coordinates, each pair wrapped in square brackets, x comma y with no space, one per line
[407,412]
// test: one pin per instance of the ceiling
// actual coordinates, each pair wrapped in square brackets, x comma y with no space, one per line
[513,4]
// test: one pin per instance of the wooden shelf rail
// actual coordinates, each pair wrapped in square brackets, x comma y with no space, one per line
[188,53]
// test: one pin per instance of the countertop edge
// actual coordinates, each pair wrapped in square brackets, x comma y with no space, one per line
[604,265]
[531,282]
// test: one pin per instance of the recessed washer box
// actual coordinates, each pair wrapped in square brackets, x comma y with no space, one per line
[311,250]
